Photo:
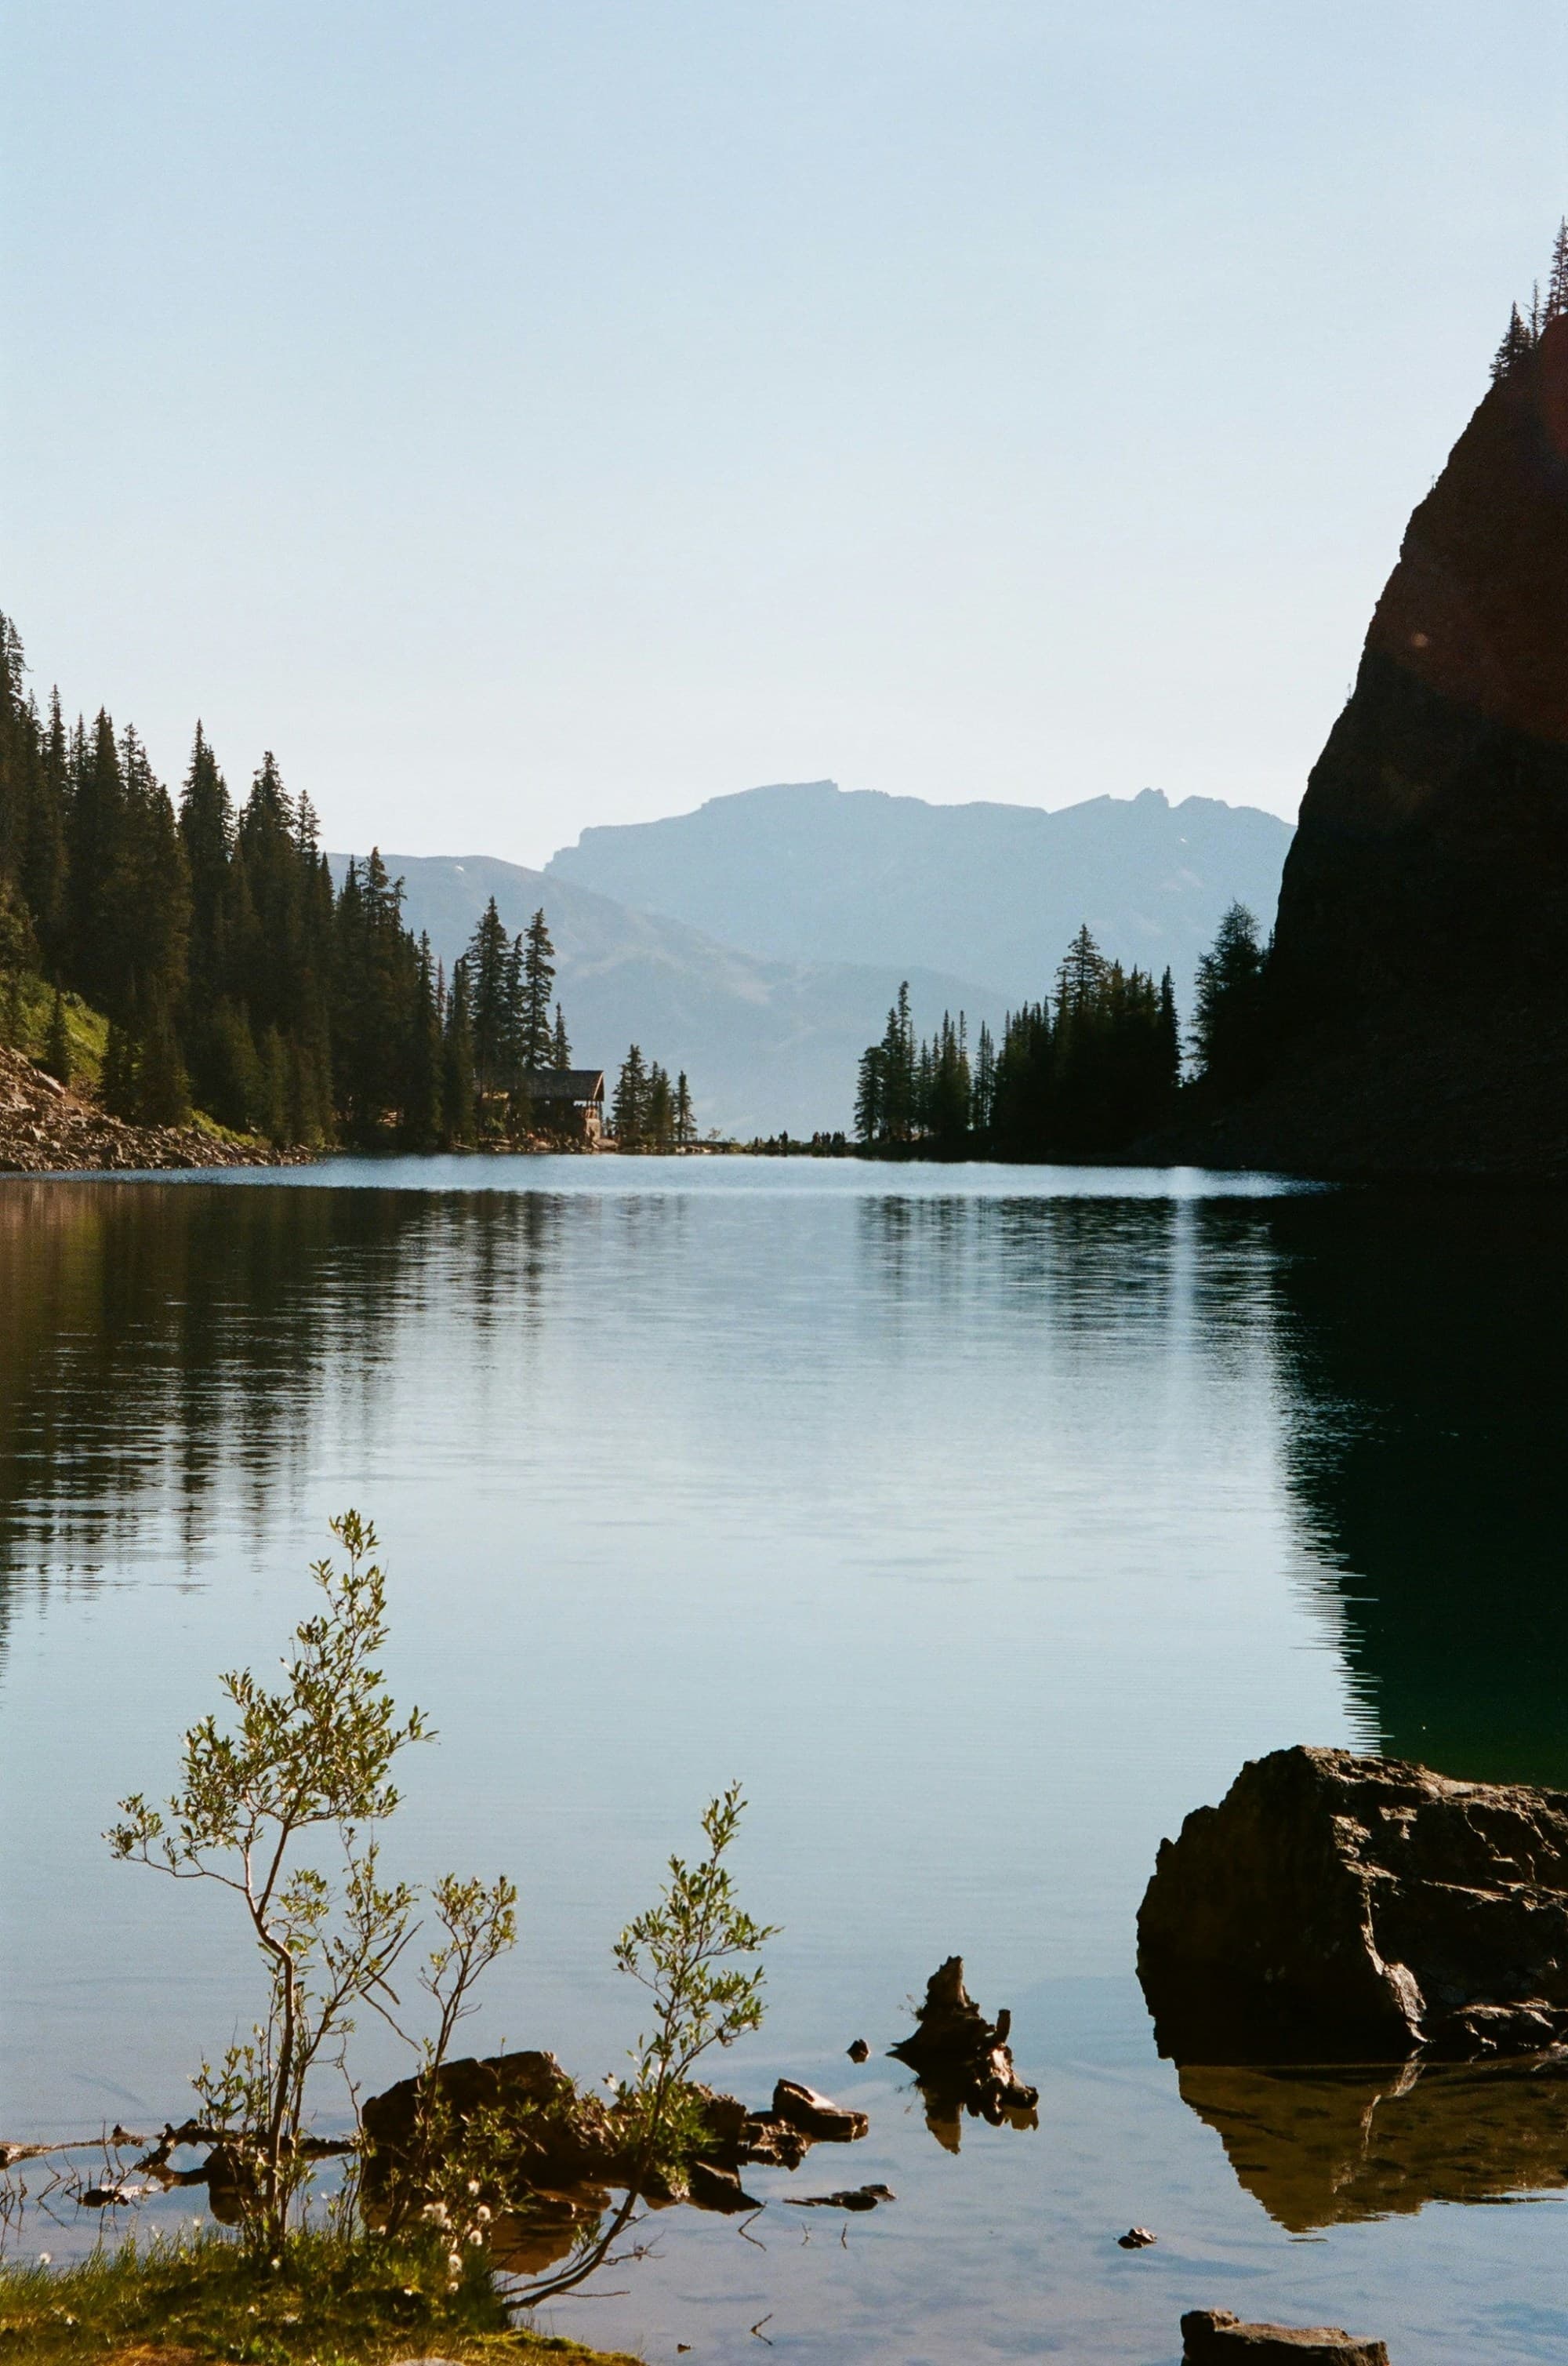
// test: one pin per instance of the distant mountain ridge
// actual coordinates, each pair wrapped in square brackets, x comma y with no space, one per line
[758,941]
[808,871]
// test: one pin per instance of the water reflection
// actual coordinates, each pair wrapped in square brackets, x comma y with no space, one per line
[1424,1346]
[1319,2148]
[175,1339]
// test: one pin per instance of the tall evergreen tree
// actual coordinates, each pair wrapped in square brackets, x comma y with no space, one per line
[560,1046]
[1516,349]
[538,985]
[1557,283]
[491,970]
[207,829]
[116,1081]
[458,1086]
[422,1115]
[630,1108]
[658,1122]
[1229,1004]
[163,1086]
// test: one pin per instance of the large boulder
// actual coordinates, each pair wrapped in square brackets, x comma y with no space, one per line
[1342,1909]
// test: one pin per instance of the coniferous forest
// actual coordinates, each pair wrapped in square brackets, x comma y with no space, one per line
[236,979]
[1080,1073]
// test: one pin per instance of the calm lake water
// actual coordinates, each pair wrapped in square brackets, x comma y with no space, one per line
[984,1521]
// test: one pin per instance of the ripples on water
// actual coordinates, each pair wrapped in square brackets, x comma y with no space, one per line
[983,1520]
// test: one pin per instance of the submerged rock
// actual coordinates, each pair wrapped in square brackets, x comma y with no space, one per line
[1342,1909]
[962,2061]
[1212,2337]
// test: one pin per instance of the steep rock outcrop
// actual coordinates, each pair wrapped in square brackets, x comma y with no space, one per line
[1422,936]
[1342,1909]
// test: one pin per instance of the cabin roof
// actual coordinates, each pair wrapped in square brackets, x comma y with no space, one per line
[565,1084]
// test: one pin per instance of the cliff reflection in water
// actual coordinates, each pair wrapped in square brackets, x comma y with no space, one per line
[1321,2147]
[1424,1342]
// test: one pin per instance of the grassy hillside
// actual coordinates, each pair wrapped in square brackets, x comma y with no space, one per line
[26,1005]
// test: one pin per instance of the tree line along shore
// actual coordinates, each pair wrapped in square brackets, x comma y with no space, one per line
[189,972]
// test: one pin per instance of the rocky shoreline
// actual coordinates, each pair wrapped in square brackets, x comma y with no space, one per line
[48,1129]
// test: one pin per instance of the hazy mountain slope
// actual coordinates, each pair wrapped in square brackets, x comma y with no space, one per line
[766,1043]
[808,871]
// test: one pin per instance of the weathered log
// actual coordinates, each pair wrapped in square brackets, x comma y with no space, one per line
[962,2061]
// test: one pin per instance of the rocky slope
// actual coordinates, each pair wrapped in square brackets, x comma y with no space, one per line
[45,1128]
[1423,917]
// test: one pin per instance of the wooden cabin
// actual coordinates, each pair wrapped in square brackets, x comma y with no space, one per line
[568,1102]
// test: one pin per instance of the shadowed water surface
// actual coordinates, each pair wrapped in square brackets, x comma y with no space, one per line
[984,1521]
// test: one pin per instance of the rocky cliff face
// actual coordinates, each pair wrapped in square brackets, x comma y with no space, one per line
[1422,937]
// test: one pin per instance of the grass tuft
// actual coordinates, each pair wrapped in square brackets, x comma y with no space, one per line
[332,2299]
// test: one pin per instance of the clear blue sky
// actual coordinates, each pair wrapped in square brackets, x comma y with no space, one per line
[526,413]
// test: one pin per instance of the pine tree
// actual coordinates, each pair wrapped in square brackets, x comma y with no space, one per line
[685,1125]
[1169,1052]
[870,1095]
[163,1086]
[272,1057]
[1557,285]
[458,1085]
[538,979]
[422,1111]
[1516,346]
[629,1115]
[491,972]
[56,1042]
[1229,1007]
[560,1048]
[117,1082]
[658,1124]
[207,829]
[984,1087]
